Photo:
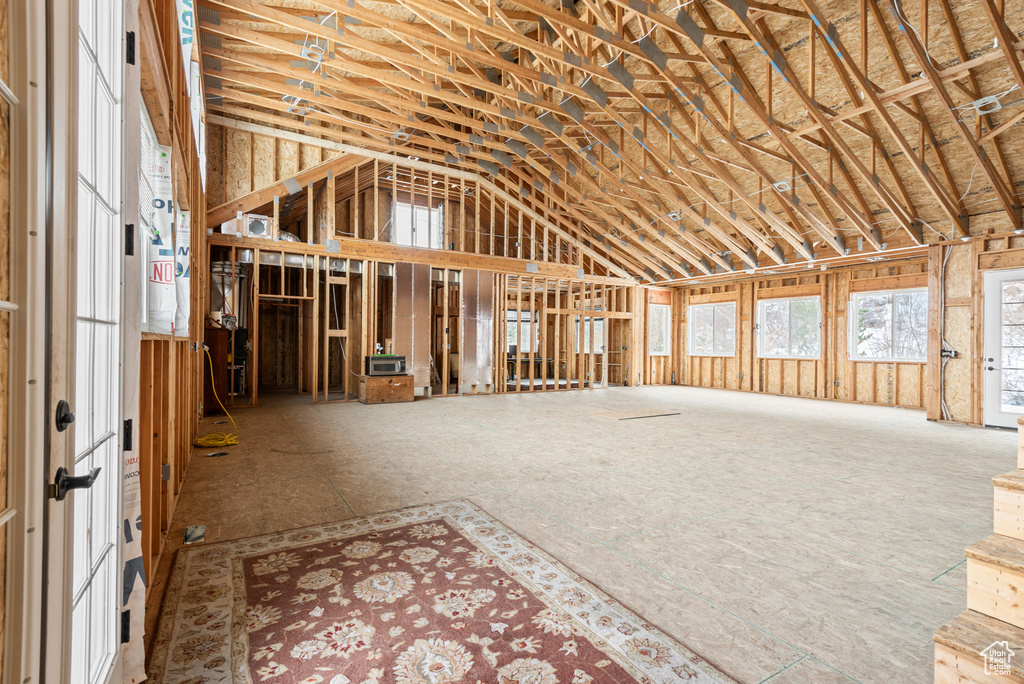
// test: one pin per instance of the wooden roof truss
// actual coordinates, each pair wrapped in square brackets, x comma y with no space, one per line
[675,139]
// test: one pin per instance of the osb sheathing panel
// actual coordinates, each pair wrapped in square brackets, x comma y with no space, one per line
[238,164]
[808,384]
[773,376]
[287,158]
[884,389]
[310,156]
[908,389]
[959,271]
[264,161]
[862,375]
[841,288]
[957,379]
[214,166]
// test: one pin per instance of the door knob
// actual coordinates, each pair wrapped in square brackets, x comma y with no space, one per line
[64,483]
[64,416]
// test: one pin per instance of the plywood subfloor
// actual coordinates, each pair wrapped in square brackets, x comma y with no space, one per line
[781,538]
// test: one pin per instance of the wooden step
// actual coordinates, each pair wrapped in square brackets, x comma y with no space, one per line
[1020,442]
[995,579]
[960,643]
[1009,504]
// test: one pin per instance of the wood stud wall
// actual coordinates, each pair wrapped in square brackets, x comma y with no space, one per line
[859,114]
[834,375]
[563,313]
[171,368]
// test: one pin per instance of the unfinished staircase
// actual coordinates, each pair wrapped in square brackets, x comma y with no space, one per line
[969,648]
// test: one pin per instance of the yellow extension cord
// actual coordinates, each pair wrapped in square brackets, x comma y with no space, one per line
[217,439]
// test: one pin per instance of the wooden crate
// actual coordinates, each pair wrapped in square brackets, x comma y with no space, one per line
[385,389]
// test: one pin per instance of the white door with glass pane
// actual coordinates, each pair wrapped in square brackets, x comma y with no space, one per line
[1003,362]
[84,567]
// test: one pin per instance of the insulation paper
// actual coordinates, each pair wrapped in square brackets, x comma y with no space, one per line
[412,321]
[621,75]
[478,342]
[653,52]
[573,110]
[690,27]
[596,93]
[552,124]
[161,296]
[182,273]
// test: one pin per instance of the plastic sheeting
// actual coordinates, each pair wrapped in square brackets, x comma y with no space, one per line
[478,343]
[161,297]
[412,321]
[182,273]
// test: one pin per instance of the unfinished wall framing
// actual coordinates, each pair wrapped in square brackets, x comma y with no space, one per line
[956,283]
[564,334]
[170,367]
[835,374]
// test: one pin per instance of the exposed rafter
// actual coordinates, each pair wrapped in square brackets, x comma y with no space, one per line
[707,137]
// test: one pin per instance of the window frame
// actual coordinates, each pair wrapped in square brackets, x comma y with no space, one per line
[434,214]
[853,321]
[759,328]
[690,320]
[668,330]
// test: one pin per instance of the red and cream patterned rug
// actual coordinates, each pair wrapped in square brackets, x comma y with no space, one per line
[427,595]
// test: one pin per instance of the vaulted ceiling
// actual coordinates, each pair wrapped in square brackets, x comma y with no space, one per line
[678,139]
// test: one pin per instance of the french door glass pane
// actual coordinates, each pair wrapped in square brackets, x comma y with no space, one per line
[1012,319]
[98,342]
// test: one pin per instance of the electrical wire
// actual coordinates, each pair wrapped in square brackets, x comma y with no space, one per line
[942,335]
[217,439]
[969,184]
[906,22]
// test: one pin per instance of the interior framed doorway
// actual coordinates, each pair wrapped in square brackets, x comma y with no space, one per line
[1003,360]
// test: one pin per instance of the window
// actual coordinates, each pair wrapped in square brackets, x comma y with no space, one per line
[417,226]
[598,347]
[789,328]
[659,332]
[889,325]
[712,329]
[518,333]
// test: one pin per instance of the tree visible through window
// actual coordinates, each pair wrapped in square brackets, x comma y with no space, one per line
[713,329]
[659,318]
[890,325]
[789,328]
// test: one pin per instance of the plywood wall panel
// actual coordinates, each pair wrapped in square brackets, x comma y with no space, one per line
[214,166]
[264,161]
[808,378]
[310,156]
[957,380]
[238,164]
[287,160]
[884,383]
[862,383]
[908,385]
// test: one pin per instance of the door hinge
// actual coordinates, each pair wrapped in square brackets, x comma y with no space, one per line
[126,626]
[130,47]
[127,435]
[129,239]
[165,472]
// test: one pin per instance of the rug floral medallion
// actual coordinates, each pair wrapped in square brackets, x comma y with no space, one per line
[427,595]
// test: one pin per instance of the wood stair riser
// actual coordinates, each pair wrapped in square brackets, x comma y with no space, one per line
[953,667]
[1009,512]
[1020,444]
[996,591]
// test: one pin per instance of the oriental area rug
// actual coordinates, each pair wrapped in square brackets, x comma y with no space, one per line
[434,594]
